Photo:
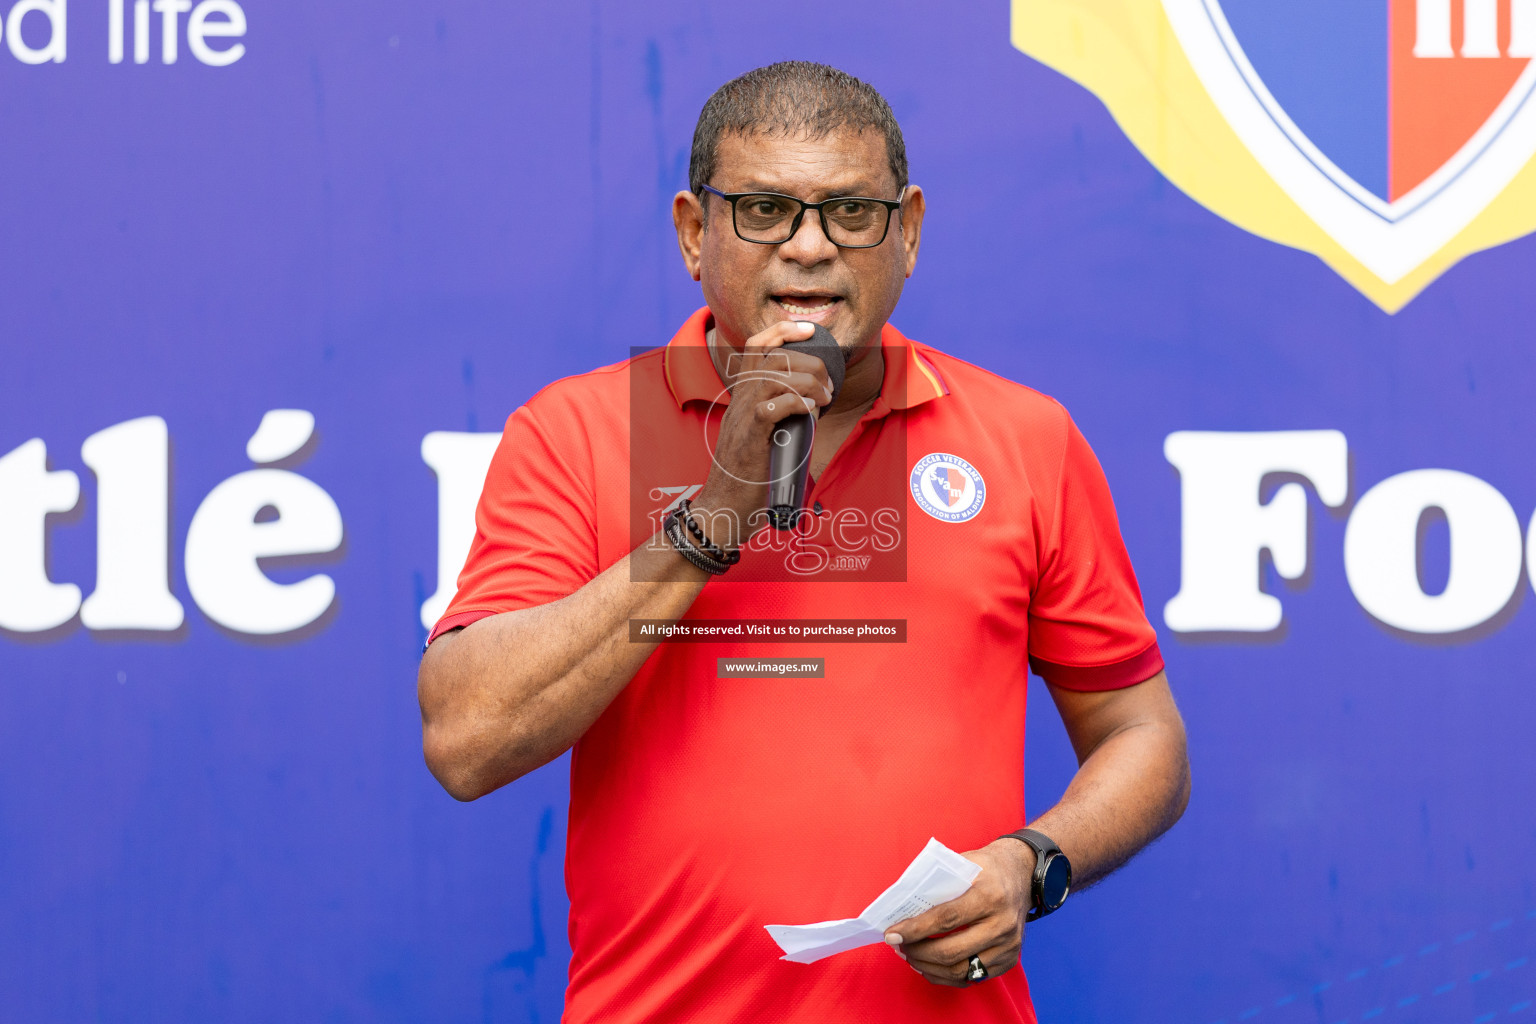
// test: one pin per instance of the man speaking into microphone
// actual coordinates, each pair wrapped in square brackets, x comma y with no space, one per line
[960,518]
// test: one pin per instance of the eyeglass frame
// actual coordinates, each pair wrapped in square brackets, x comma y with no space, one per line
[891,206]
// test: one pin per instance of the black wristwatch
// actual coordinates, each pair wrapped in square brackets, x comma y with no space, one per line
[1053,872]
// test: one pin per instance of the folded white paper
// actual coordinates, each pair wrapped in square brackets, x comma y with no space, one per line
[937,875]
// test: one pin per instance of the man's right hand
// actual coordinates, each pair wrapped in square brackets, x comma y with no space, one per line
[767,384]
[513,691]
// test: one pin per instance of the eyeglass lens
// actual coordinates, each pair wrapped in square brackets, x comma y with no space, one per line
[851,222]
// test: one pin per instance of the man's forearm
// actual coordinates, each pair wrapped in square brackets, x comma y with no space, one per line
[1132,781]
[1131,785]
[513,691]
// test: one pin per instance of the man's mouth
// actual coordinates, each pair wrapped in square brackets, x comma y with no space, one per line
[808,305]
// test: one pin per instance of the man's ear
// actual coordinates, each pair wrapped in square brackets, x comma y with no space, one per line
[688,218]
[912,208]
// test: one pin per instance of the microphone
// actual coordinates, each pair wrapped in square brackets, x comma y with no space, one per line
[789,450]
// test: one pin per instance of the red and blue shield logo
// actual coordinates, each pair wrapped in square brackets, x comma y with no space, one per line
[1393,95]
[1375,133]
[1392,122]
[948,485]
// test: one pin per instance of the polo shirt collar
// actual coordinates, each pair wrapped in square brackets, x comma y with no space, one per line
[690,374]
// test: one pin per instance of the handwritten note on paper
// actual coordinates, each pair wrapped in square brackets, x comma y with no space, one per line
[937,875]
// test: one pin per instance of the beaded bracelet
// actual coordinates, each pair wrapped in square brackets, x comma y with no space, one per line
[684,547]
[685,513]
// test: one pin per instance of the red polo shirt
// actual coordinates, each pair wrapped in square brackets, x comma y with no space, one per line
[704,808]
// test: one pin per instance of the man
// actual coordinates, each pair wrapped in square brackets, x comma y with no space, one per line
[702,807]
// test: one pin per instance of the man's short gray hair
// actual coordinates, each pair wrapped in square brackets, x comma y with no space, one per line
[796,99]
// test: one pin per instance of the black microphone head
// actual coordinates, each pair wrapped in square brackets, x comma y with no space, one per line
[823,346]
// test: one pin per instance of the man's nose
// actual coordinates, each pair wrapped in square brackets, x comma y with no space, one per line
[809,244]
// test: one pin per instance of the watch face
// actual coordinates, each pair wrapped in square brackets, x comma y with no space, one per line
[1056,883]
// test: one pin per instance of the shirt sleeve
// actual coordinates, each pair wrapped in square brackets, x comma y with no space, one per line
[1087,627]
[535,527]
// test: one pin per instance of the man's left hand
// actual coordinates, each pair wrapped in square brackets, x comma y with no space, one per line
[988,921]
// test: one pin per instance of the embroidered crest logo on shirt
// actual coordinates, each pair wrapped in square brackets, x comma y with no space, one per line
[1390,138]
[948,488]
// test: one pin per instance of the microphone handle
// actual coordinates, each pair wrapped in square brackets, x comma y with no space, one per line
[789,464]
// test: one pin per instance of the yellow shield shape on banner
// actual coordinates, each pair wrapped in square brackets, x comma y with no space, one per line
[1390,138]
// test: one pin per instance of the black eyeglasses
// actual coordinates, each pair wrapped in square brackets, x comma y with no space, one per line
[849,222]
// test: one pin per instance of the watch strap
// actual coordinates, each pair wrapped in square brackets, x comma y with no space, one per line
[1046,850]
